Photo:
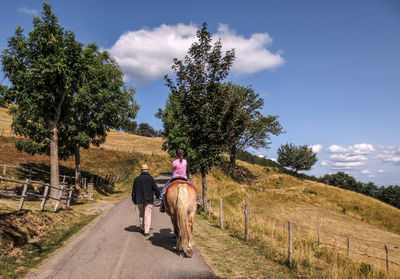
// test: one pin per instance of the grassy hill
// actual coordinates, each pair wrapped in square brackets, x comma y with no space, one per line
[274,199]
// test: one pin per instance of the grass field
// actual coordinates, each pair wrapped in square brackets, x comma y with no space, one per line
[274,199]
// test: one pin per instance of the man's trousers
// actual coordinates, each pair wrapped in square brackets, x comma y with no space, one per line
[145,216]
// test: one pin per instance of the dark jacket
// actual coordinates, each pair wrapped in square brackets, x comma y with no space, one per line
[143,188]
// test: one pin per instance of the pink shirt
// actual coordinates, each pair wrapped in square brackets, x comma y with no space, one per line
[179,168]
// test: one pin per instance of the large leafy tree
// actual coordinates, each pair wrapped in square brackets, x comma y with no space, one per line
[45,70]
[101,103]
[246,125]
[200,101]
[296,157]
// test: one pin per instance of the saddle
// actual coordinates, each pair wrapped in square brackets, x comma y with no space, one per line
[178,180]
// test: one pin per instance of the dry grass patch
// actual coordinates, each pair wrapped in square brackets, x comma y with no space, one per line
[231,257]
[309,205]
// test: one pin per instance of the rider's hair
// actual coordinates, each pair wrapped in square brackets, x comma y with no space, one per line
[179,154]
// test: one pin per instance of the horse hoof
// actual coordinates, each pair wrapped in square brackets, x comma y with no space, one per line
[189,253]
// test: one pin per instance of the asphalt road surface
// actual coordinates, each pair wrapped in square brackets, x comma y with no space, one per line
[113,247]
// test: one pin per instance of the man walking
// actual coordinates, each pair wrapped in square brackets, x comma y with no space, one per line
[143,189]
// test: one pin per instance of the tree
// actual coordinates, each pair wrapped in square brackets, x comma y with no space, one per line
[101,103]
[130,127]
[146,130]
[197,91]
[45,70]
[3,90]
[246,126]
[296,157]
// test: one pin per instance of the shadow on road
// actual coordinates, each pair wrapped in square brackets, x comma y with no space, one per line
[133,229]
[165,239]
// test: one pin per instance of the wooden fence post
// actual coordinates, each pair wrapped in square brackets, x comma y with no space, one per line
[290,250]
[319,237]
[209,209]
[2,132]
[70,190]
[57,207]
[21,203]
[84,181]
[283,229]
[4,169]
[221,217]
[45,193]
[90,191]
[387,258]
[348,245]
[246,221]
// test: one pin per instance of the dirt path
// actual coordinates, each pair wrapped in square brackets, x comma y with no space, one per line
[113,247]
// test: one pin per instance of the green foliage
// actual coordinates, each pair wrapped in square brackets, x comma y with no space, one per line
[296,157]
[194,118]
[130,126]
[146,130]
[3,91]
[63,89]
[389,195]
[248,157]
[245,124]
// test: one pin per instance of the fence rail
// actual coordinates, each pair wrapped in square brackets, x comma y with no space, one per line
[29,183]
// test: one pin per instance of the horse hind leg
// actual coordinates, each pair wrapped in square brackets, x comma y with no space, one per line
[174,221]
[189,250]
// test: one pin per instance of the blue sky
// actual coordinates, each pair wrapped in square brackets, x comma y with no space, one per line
[329,69]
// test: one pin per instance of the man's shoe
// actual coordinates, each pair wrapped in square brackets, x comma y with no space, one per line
[157,203]
[162,208]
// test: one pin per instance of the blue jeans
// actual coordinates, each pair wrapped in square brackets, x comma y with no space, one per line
[169,181]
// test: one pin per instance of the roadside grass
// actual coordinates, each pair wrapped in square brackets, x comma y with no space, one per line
[231,257]
[30,236]
[288,201]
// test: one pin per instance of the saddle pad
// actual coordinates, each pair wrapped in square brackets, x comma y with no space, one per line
[178,181]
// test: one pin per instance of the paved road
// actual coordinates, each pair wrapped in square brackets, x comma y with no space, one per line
[113,247]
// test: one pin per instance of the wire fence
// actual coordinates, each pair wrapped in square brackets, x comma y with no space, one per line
[254,219]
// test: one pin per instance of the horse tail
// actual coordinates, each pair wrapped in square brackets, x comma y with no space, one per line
[182,214]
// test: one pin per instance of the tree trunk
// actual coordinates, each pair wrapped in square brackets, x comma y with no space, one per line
[54,170]
[78,180]
[232,162]
[204,184]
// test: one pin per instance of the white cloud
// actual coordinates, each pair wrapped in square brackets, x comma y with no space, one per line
[389,154]
[27,11]
[325,163]
[381,171]
[361,148]
[274,159]
[348,157]
[336,149]
[251,53]
[346,165]
[365,172]
[317,148]
[146,54]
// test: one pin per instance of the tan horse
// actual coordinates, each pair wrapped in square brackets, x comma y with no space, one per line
[180,204]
